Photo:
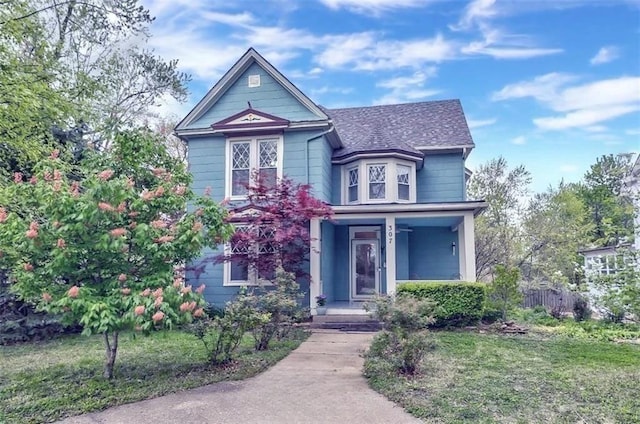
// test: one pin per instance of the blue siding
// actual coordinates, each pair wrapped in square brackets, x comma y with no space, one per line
[211,275]
[327,260]
[402,255]
[320,168]
[430,254]
[341,263]
[336,185]
[206,158]
[441,179]
[270,97]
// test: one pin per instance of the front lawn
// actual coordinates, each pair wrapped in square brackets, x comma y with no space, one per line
[44,382]
[537,378]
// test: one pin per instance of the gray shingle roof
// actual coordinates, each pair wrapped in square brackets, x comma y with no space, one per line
[401,127]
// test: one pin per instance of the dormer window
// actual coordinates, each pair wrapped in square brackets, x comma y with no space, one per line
[379,181]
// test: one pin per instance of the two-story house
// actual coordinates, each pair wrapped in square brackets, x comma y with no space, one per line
[395,176]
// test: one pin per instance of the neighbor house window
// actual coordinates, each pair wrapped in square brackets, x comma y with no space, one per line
[377,182]
[389,181]
[261,154]
[353,185]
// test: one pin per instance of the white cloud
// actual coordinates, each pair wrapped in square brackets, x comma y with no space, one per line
[580,105]
[633,131]
[605,55]
[596,128]
[568,168]
[371,7]
[478,123]
[477,10]
[239,19]
[407,88]
[316,71]
[519,140]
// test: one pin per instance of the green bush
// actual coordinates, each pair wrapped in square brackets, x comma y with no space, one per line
[458,304]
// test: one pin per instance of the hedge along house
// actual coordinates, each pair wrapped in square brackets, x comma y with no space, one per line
[395,176]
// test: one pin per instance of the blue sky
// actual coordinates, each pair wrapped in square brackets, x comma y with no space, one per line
[551,84]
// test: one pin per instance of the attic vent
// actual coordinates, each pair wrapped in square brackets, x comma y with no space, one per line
[254,80]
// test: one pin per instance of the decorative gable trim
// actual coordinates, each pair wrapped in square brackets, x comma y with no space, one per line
[250,119]
[248,59]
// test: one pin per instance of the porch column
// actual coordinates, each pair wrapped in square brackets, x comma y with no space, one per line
[469,247]
[314,263]
[462,252]
[390,231]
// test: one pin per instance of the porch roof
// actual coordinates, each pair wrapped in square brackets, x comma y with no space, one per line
[413,209]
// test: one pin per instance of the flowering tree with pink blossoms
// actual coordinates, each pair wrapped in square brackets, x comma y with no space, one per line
[100,243]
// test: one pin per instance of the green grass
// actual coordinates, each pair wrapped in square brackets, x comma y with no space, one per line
[44,382]
[493,378]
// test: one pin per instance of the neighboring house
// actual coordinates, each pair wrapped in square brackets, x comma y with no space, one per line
[394,174]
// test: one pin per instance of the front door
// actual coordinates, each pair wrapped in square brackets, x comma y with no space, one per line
[365,267]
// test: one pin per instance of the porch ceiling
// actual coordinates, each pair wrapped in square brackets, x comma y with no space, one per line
[449,221]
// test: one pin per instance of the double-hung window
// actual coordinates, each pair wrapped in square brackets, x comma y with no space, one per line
[251,255]
[377,181]
[248,157]
[353,175]
[403,174]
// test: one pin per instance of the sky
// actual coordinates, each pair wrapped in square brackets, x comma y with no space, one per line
[550,84]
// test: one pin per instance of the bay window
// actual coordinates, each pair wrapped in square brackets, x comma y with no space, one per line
[379,181]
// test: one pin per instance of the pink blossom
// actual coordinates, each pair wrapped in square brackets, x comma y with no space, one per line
[158,316]
[33,225]
[139,310]
[47,176]
[197,226]
[122,278]
[75,189]
[160,191]
[207,191]
[133,225]
[57,185]
[54,154]
[73,291]
[184,307]
[158,302]
[32,234]
[105,175]
[33,180]
[57,175]
[17,177]
[180,189]
[28,267]
[145,292]
[46,297]
[121,207]
[200,289]
[158,224]
[177,283]
[167,177]
[164,239]
[56,224]
[104,206]
[61,243]
[133,214]
[198,312]
[185,290]
[118,232]
[3,214]
[198,212]
[147,195]
[125,291]
[158,292]
[130,182]
[158,171]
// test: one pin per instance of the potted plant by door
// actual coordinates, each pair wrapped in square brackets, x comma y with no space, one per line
[321,302]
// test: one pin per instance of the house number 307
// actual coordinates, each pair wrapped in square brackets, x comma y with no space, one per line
[390,233]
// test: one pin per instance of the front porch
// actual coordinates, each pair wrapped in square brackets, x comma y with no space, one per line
[361,253]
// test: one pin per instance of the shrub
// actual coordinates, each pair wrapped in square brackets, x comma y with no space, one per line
[503,293]
[405,340]
[457,304]
[581,309]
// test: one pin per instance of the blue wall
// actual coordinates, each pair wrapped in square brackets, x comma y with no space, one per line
[430,254]
[270,97]
[207,162]
[336,184]
[441,179]
[327,260]
[402,254]
[320,168]
[341,263]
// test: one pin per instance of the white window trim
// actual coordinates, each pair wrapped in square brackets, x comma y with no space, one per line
[254,159]
[391,181]
[252,280]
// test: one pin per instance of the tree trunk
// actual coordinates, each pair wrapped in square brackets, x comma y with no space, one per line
[111,351]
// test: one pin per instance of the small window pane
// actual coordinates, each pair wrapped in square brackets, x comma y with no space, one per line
[239,270]
[239,182]
[240,163]
[269,177]
[403,182]
[268,154]
[377,178]
[353,185]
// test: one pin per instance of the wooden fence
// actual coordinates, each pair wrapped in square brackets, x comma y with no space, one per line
[550,298]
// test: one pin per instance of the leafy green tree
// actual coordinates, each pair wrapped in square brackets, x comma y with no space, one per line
[503,293]
[498,234]
[611,211]
[556,225]
[101,243]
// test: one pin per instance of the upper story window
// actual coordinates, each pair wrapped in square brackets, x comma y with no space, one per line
[246,155]
[379,181]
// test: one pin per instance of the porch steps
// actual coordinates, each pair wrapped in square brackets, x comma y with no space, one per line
[346,322]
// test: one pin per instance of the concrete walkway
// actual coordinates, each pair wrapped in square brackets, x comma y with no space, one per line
[320,382]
